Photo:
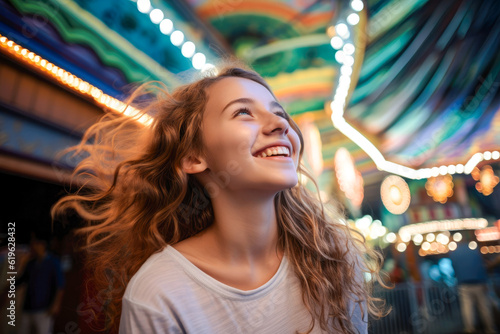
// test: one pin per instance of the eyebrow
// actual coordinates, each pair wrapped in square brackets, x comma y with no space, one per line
[247,100]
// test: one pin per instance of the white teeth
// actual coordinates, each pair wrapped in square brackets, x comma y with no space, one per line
[275,151]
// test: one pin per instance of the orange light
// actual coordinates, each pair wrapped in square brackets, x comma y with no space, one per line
[69,80]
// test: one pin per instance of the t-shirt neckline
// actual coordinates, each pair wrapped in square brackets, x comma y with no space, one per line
[228,291]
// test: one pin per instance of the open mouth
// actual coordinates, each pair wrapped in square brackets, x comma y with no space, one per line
[275,151]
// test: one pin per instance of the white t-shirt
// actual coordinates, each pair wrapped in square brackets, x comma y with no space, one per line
[169,294]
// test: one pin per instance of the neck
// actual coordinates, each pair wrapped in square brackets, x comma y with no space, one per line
[245,228]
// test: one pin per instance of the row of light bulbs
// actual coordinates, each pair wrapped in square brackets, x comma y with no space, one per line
[407,231]
[418,239]
[70,80]
[490,249]
[345,56]
[430,248]
[166,26]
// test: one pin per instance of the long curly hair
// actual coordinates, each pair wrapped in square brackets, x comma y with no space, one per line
[136,199]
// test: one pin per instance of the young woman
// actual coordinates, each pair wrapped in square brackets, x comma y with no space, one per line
[198,224]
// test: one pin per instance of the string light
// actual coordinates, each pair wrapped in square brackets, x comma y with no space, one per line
[418,238]
[444,225]
[342,30]
[401,247]
[391,237]
[70,80]
[188,49]
[348,49]
[177,37]
[415,174]
[144,6]
[166,27]
[338,34]
[357,5]
[199,60]
[353,19]
[336,42]
[488,234]
[156,16]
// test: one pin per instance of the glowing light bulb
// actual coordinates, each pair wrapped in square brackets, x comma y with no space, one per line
[166,26]
[336,42]
[357,5]
[156,16]
[144,6]
[353,19]
[199,60]
[209,70]
[348,49]
[188,49]
[339,57]
[177,38]
[401,247]
[342,30]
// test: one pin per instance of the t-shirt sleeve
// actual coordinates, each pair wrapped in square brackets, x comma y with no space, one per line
[360,321]
[139,319]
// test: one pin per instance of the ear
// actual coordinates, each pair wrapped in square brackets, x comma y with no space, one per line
[194,165]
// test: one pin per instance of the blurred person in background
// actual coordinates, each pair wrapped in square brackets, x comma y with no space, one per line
[44,282]
[472,282]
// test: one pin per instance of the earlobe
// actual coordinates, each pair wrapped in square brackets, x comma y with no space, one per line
[193,165]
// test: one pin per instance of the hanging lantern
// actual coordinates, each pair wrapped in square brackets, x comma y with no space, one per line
[440,188]
[487,180]
[395,194]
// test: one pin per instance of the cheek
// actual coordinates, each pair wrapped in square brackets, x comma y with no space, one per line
[294,139]
[228,143]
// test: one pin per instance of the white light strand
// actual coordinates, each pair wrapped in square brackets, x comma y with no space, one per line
[443,225]
[344,55]
[177,37]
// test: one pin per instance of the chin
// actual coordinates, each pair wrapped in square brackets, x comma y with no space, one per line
[286,183]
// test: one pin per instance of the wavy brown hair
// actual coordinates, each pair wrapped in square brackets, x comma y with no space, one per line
[136,199]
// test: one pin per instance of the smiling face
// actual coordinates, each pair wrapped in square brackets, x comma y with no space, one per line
[248,141]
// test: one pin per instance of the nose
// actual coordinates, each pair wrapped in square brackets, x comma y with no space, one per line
[276,124]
